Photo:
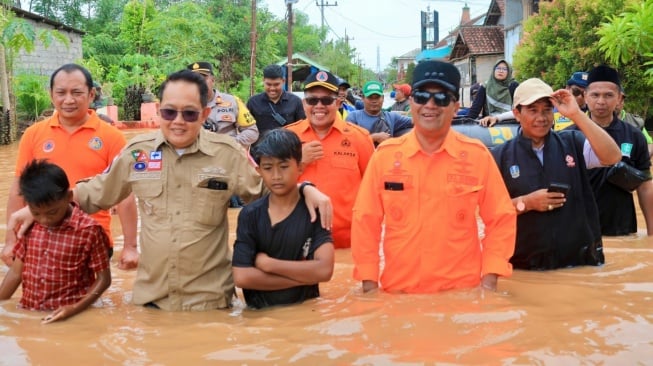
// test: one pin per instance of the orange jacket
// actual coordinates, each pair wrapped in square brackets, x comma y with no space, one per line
[430,204]
[347,150]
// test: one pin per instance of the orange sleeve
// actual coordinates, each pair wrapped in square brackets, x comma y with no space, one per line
[25,150]
[365,151]
[498,214]
[366,224]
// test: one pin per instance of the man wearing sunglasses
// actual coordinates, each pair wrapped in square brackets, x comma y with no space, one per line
[334,152]
[576,86]
[183,177]
[419,199]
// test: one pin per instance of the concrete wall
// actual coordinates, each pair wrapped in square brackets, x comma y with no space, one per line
[43,60]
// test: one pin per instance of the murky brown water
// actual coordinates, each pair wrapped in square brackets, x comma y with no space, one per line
[596,316]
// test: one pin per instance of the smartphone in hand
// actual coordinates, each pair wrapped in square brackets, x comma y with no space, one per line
[559,187]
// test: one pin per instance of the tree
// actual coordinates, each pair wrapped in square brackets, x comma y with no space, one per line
[17,35]
[627,40]
[563,38]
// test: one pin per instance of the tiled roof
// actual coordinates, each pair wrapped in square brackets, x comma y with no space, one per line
[494,12]
[478,40]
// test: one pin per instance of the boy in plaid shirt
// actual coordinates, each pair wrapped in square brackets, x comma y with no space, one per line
[62,261]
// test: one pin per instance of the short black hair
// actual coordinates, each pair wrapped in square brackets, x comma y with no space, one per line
[278,143]
[191,77]
[68,68]
[273,72]
[42,182]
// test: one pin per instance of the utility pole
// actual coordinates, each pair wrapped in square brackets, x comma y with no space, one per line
[322,5]
[252,46]
[289,64]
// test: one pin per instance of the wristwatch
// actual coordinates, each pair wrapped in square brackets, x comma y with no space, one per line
[303,185]
[520,206]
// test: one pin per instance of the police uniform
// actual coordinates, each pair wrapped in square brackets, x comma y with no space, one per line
[182,197]
[544,239]
[230,116]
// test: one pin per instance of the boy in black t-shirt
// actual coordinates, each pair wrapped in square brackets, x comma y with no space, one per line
[279,255]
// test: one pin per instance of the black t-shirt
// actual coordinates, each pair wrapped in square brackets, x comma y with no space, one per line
[616,206]
[289,107]
[294,238]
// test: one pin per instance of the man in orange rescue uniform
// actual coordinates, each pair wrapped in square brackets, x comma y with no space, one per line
[427,186]
[334,152]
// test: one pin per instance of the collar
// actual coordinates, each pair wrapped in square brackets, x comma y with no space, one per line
[92,122]
[338,124]
[202,143]
[449,145]
[525,142]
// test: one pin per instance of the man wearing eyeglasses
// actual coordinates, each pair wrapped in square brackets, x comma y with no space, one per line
[229,115]
[334,152]
[183,177]
[576,86]
[419,199]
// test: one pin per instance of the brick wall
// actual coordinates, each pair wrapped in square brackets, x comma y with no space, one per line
[43,60]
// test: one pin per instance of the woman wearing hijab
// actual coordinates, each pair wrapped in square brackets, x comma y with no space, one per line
[494,99]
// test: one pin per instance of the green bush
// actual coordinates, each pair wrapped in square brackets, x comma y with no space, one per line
[32,96]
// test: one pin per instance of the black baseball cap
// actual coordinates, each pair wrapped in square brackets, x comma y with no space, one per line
[324,79]
[441,73]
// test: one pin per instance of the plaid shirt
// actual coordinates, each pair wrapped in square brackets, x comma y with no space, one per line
[60,263]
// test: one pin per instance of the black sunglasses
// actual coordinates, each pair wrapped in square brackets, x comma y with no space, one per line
[171,114]
[577,91]
[441,99]
[323,100]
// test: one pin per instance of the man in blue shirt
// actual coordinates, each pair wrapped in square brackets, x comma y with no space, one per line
[381,124]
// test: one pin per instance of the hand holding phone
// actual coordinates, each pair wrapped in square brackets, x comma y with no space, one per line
[559,188]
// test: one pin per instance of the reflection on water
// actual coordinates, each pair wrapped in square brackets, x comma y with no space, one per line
[567,317]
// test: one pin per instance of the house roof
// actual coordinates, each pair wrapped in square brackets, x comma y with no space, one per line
[496,9]
[37,18]
[303,61]
[478,40]
[440,53]
[410,55]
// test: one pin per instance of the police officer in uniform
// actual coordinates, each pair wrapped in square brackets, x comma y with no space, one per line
[229,115]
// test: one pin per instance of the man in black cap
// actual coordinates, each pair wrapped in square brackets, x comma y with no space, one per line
[229,115]
[275,107]
[343,93]
[616,205]
[576,86]
[423,190]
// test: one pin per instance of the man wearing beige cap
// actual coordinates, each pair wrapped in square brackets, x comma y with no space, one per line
[546,175]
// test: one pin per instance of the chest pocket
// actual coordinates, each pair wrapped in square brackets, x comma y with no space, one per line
[346,159]
[462,202]
[211,205]
[150,196]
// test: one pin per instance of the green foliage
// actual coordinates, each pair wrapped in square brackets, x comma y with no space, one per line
[32,96]
[135,17]
[19,34]
[184,34]
[565,37]
[629,35]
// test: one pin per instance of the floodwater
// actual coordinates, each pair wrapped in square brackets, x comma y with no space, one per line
[582,316]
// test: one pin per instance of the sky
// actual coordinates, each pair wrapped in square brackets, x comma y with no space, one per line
[390,26]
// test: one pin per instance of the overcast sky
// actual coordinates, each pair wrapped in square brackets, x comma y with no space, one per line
[391,26]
